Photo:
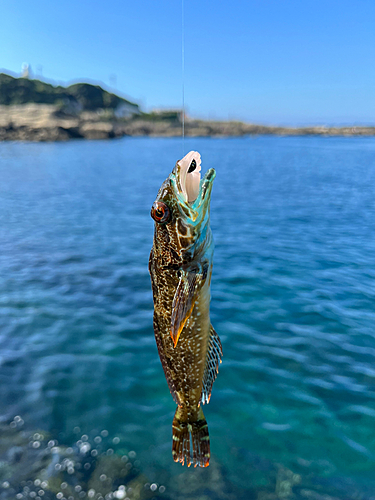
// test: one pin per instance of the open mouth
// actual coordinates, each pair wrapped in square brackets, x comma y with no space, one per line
[192,192]
[190,176]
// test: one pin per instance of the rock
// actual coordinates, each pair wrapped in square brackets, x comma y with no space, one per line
[285,481]
[48,122]
[14,454]
[206,484]
[313,495]
[109,474]
[34,466]
[97,130]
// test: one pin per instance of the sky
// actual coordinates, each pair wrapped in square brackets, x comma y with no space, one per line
[291,62]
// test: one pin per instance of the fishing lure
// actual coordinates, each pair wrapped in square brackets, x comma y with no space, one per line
[180,267]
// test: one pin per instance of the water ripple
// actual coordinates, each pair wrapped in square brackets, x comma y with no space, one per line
[293,296]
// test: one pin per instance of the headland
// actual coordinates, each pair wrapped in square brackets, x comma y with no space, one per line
[33,110]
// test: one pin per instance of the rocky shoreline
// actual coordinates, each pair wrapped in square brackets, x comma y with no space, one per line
[33,464]
[47,123]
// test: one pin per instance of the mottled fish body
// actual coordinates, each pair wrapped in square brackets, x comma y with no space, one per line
[180,268]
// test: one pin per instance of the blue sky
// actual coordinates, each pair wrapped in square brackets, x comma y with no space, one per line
[280,61]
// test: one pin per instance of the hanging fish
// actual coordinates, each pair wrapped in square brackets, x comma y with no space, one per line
[180,267]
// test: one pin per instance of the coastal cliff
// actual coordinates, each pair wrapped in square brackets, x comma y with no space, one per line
[46,122]
[32,110]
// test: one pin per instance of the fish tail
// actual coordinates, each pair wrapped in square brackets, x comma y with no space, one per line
[191,441]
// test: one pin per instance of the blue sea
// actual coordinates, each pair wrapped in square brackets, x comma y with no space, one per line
[293,300]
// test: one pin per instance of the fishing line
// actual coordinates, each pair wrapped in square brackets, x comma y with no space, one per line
[183,74]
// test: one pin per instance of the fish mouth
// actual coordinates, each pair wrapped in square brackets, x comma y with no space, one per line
[192,192]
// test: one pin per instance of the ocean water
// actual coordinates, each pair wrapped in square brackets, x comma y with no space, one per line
[293,300]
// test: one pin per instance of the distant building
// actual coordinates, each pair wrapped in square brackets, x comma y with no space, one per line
[26,70]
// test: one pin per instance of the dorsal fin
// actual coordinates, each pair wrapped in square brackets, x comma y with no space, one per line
[213,359]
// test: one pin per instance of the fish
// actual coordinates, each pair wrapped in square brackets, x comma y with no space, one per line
[180,267]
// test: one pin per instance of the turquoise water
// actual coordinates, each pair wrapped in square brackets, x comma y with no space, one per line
[293,300]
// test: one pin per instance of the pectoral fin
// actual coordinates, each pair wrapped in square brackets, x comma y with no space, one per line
[184,300]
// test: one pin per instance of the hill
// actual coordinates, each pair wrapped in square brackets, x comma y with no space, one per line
[78,97]
[32,110]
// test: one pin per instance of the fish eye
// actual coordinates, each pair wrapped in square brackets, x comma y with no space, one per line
[160,212]
[193,166]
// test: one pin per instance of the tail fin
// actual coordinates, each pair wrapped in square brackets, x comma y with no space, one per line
[194,433]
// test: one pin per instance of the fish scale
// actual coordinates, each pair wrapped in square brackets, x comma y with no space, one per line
[180,267]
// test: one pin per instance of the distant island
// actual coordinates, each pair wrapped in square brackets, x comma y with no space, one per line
[33,110]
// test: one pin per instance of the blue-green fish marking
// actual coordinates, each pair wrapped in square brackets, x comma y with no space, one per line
[180,268]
